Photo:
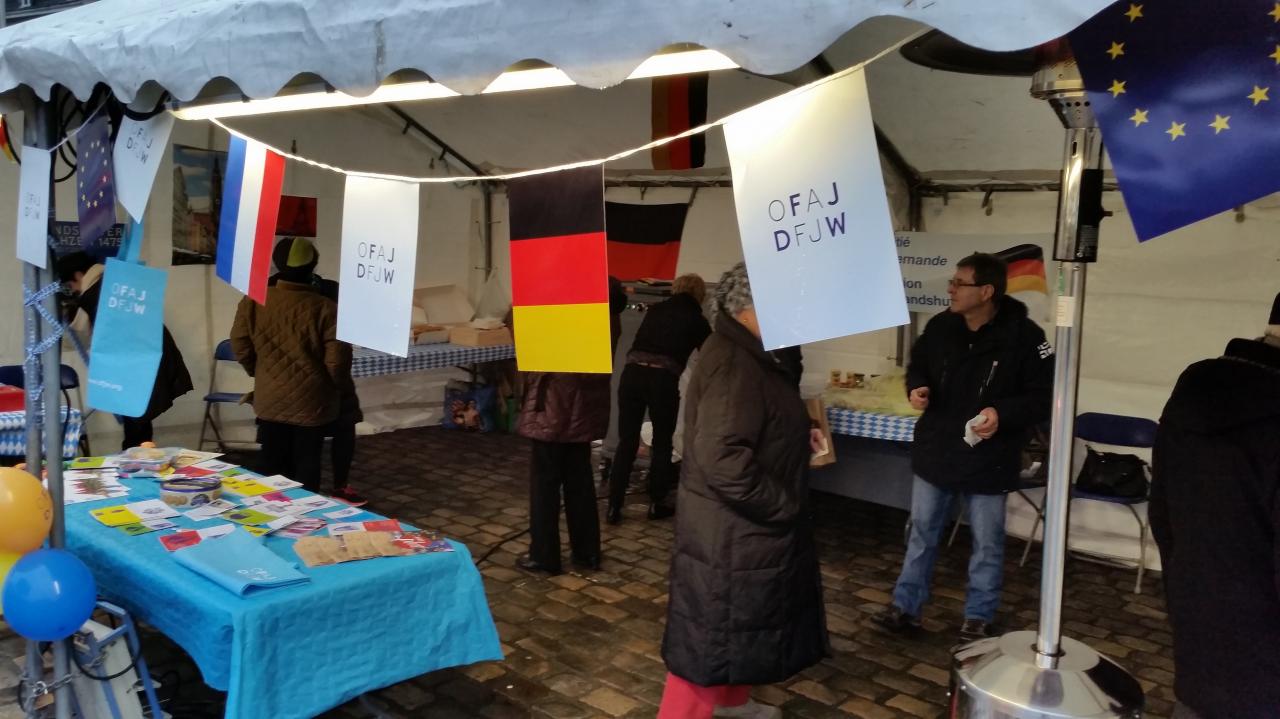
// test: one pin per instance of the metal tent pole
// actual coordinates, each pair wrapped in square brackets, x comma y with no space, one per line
[40,130]
[1042,675]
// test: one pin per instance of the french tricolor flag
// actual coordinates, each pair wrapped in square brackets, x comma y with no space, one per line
[250,208]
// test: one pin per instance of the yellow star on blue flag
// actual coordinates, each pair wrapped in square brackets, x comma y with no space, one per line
[1180,89]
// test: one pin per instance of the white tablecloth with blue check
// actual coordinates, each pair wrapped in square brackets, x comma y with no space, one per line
[13,434]
[371,363]
[856,423]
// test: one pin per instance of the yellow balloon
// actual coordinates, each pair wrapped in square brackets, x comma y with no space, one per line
[26,511]
[7,560]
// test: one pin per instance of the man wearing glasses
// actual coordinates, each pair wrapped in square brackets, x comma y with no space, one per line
[982,373]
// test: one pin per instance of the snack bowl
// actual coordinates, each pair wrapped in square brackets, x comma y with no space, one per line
[190,492]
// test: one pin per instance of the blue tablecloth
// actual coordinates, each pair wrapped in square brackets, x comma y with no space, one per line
[856,423]
[371,363]
[13,434]
[295,651]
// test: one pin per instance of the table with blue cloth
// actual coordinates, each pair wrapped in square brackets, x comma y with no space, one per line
[873,425]
[300,650]
[372,363]
[13,433]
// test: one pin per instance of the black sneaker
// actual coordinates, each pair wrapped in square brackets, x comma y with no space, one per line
[975,629]
[895,621]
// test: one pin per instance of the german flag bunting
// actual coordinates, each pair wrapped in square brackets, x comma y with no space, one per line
[679,103]
[559,272]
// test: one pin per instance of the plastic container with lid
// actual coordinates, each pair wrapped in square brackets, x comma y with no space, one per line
[147,460]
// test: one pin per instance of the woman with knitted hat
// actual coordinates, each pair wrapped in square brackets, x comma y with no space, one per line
[745,604]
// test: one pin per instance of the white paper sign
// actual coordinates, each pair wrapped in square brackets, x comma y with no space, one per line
[140,145]
[929,261]
[33,207]
[813,216]
[379,250]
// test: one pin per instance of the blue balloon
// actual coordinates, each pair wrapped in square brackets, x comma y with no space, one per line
[48,595]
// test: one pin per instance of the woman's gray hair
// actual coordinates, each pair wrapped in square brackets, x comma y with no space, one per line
[733,293]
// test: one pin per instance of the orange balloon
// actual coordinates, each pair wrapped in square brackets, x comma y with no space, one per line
[26,511]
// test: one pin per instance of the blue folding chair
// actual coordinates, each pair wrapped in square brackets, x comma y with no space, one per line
[1120,431]
[14,376]
[215,399]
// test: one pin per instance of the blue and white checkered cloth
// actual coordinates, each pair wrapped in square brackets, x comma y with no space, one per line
[13,434]
[371,363]
[855,423]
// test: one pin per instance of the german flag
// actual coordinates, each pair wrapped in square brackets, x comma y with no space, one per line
[644,240]
[4,140]
[560,272]
[1026,269]
[679,103]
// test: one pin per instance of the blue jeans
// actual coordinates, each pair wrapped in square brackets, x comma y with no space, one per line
[930,510]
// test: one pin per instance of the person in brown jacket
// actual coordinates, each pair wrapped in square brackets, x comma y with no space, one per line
[563,413]
[290,347]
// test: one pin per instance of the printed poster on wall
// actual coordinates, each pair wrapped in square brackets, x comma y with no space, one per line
[379,253]
[127,336]
[813,215]
[929,260]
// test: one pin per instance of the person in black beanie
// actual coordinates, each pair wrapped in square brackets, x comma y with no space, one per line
[1215,515]
[290,347]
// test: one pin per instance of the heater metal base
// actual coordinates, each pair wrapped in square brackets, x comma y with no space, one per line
[999,678]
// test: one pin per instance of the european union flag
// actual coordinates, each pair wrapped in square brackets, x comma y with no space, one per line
[95,186]
[1186,93]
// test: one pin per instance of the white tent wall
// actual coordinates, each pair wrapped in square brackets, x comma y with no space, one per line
[199,307]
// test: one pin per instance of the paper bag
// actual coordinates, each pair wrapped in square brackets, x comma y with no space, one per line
[818,413]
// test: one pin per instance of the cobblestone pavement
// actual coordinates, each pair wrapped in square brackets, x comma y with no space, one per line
[587,645]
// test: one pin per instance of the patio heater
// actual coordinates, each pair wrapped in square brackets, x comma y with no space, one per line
[1042,674]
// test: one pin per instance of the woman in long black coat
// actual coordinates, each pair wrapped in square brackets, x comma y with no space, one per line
[745,602]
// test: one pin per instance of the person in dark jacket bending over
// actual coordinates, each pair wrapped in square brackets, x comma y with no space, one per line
[1215,514]
[83,274]
[981,369]
[670,332]
[745,604]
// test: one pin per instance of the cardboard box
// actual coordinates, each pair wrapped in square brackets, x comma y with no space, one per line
[443,304]
[469,336]
[427,334]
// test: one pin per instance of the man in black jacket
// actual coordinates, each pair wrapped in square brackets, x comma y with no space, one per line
[1215,514]
[671,331]
[983,374]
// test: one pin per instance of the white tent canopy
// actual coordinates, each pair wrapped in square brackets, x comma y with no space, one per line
[139,47]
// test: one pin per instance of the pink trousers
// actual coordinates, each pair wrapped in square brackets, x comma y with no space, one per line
[685,700]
